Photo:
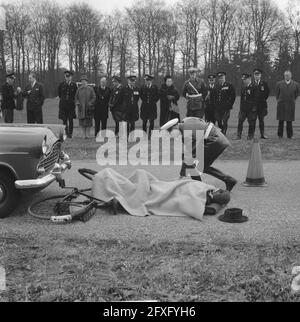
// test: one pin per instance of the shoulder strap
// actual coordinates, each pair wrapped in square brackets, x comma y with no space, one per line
[193,88]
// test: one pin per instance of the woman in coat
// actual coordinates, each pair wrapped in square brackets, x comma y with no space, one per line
[287,92]
[85,100]
[169,97]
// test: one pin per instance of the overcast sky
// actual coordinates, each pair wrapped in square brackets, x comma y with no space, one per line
[106,6]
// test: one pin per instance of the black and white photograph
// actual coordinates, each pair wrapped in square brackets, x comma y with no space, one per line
[149,154]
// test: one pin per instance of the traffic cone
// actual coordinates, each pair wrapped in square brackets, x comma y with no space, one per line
[255,176]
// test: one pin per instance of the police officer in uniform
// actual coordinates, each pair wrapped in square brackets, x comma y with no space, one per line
[225,98]
[130,101]
[195,92]
[103,93]
[116,105]
[210,100]
[261,94]
[66,93]
[7,98]
[149,95]
[214,145]
[248,108]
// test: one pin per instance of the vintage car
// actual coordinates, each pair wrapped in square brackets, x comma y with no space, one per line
[31,158]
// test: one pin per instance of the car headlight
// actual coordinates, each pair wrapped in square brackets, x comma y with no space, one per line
[45,146]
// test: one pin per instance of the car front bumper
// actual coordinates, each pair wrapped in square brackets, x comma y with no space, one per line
[42,182]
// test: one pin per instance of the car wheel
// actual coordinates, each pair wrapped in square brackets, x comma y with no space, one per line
[8,194]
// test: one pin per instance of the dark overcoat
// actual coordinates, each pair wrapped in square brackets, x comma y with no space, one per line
[211,98]
[225,98]
[130,102]
[149,97]
[116,105]
[35,96]
[102,101]
[261,93]
[66,94]
[8,97]
[286,95]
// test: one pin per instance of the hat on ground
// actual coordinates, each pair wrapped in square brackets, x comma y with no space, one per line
[233,215]
[68,73]
[170,124]
[148,77]
[193,70]
[10,75]
[211,76]
[220,74]
[83,77]
[257,71]
[117,78]
[245,76]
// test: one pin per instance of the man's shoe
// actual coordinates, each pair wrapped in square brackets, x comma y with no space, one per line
[230,183]
[264,137]
[250,138]
[291,137]
[279,137]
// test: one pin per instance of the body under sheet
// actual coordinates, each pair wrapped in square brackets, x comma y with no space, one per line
[142,194]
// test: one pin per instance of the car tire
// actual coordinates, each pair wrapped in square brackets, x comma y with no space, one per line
[8,194]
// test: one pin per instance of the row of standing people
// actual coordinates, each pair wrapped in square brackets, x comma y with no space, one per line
[212,102]
[122,101]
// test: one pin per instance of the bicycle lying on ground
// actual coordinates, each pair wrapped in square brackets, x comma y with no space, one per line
[75,205]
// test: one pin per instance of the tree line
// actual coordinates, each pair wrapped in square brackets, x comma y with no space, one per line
[151,36]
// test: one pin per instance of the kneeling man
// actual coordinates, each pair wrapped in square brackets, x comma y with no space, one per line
[214,144]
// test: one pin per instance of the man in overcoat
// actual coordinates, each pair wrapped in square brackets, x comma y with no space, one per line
[103,94]
[225,98]
[261,93]
[149,95]
[7,98]
[130,101]
[116,106]
[66,93]
[248,109]
[210,100]
[287,92]
[34,93]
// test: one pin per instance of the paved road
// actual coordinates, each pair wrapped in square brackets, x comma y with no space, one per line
[274,212]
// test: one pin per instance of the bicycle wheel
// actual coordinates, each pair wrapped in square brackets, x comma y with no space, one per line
[63,208]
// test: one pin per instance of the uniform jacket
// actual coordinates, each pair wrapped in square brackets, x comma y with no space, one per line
[194,104]
[211,97]
[225,95]
[102,101]
[85,100]
[286,95]
[8,97]
[261,93]
[116,105]
[149,97]
[215,143]
[248,99]
[35,96]
[66,94]
[130,101]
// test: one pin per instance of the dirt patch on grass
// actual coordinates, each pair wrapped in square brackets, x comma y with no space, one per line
[80,270]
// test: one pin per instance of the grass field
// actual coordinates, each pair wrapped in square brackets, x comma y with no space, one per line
[89,270]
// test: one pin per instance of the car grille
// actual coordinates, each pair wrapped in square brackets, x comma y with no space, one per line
[49,160]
